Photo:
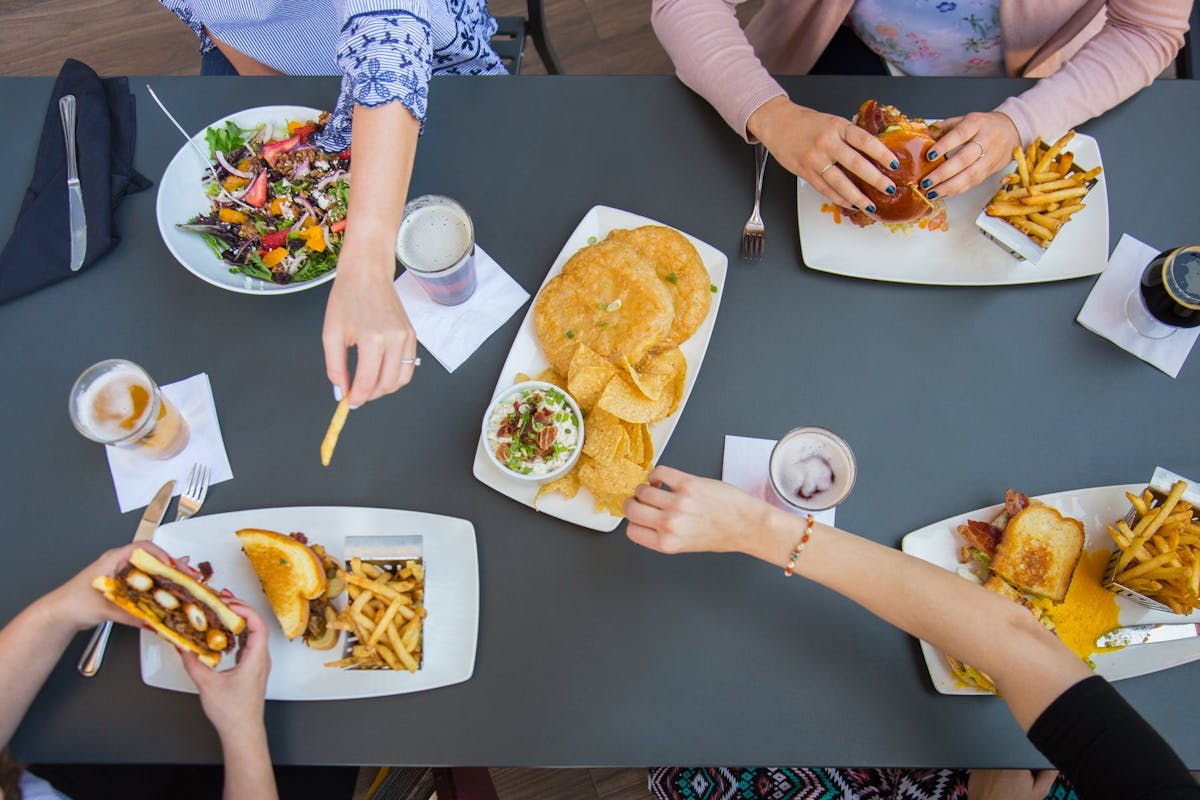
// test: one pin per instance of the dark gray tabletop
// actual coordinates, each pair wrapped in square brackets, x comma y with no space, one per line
[593,651]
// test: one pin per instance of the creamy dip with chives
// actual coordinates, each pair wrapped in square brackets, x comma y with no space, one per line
[533,432]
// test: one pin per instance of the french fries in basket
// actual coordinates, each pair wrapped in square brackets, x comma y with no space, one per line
[1043,193]
[385,616]
[1159,556]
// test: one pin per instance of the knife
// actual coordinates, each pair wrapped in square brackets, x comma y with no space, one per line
[1144,634]
[93,654]
[66,108]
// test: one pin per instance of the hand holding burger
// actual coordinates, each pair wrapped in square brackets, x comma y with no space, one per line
[824,150]
[972,148]
[915,152]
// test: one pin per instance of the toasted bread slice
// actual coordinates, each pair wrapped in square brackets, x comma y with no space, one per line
[290,574]
[1038,552]
[202,592]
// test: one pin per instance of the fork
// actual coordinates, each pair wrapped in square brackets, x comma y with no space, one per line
[754,234]
[193,494]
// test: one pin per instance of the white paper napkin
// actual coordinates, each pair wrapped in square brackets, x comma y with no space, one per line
[1103,313]
[746,466]
[452,333]
[137,477]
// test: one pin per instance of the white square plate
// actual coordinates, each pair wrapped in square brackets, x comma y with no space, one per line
[526,356]
[1097,508]
[962,256]
[298,673]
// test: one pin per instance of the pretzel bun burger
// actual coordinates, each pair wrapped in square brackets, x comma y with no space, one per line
[910,140]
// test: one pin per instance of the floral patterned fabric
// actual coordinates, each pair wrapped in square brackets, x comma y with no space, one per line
[933,37]
[385,51]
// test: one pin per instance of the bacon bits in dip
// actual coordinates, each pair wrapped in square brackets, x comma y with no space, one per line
[533,431]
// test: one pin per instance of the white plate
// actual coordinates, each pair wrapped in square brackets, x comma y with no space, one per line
[939,544]
[298,673]
[962,256]
[526,356]
[181,197]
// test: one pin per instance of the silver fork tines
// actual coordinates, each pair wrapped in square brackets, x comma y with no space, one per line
[193,494]
[754,234]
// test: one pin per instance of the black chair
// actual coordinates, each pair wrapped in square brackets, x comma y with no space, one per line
[509,41]
[1187,63]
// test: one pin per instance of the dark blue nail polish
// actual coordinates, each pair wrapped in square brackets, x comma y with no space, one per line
[854,207]
[925,184]
[871,209]
[895,164]
[933,154]
[890,190]
[931,195]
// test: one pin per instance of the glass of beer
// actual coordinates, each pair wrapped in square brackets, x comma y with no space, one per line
[116,402]
[811,469]
[1168,295]
[436,243]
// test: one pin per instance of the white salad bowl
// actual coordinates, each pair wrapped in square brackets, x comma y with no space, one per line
[181,197]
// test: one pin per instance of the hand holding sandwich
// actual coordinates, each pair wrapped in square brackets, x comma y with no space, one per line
[77,605]
[974,147]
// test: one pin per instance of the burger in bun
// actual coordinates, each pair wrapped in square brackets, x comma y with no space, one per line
[910,141]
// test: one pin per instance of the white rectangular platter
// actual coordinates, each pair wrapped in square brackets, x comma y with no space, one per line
[298,673]
[1096,508]
[526,356]
[962,256]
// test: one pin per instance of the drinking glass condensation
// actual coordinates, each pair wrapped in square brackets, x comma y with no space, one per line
[811,469]
[436,243]
[115,402]
[1168,294]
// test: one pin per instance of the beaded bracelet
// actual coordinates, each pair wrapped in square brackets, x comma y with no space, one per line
[799,548]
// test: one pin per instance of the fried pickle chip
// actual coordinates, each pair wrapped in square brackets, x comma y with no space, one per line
[587,376]
[678,264]
[611,483]
[602,436]
[611,300]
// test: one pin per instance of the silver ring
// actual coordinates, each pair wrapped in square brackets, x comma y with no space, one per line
[821,174]
[416,362]
[982,152]
[848,127]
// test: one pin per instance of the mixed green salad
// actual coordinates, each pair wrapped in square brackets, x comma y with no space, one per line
[278,204]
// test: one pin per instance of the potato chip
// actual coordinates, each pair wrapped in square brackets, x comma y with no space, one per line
[650,383]
[587,376]
[602,434]
[623,399]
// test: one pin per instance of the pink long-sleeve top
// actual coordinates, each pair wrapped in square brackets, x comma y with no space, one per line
[1089,54]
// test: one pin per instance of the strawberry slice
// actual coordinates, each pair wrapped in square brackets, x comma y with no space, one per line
[271,150]
[338,226]
[272,240]
[304,131]
[256,192]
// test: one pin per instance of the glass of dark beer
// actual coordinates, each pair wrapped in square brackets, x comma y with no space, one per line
[1168,296]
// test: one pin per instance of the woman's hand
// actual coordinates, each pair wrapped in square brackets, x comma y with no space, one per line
[1009,784]
[821,148]
[365,312]
[694,514]
[973,147]
[79,606]
[233,700]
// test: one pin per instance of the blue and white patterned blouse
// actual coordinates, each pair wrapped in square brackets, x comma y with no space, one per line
[385,50]
[932,37]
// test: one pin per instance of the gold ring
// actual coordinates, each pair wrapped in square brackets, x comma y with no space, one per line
[848,127]
[827,166]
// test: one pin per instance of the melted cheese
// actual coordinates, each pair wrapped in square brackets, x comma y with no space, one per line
[1089,609]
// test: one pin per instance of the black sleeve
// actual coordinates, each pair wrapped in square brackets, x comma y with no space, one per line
[1107,750]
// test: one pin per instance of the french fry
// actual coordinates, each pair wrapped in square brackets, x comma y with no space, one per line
[1065,212]
[1046,221]
[1022,166]
[335,430]
[1007,210]
[1054,197]
[385,615]
[1031,228]
[1054,150]
[1160,554]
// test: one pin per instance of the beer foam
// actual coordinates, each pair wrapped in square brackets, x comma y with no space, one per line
[813,470]
[108,406]
[433,238]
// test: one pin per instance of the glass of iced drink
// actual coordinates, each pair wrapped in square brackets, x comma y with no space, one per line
[812,469]
[436,243]
[116,402]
